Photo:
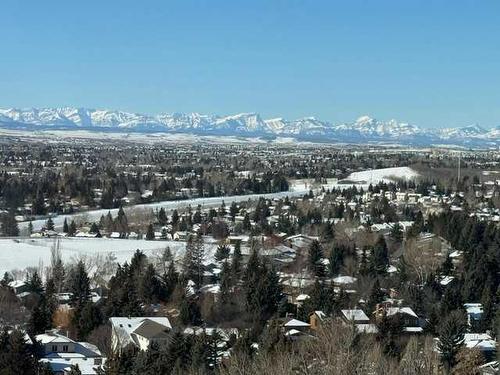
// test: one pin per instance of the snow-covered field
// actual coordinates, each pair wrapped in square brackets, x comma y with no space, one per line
[360,179]
[18,254]
[30,252]
[147,138]
[306,184]
[385,174]
[298,188]
[169,206]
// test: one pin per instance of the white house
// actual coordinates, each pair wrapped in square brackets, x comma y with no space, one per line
[60,353]
[138,331]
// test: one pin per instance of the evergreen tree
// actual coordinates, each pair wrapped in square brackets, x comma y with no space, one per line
[150,288]
[153,361]
[189,311]
[124,300]
[317,300]
[452,299]
[225,288]
[34,283]
[315,258]
[489,307]
[379,259]
[16,355]
[233,210]
[250,280]
[236,262]
[121,222]
[162,217]
[8,225]
[58,273]
[120,363]
[94,228]
[150,234]
[107,200]
[246,222]
[197,216]
[222,252]
[262,288]
[199,352]
[336,260]
[376,296]
[326,232]
[194,257]
[397,232]
[49,224]
[178,353]
[6,280]
[39,203]
[175,218]
[72,228]
[270,290]
[41,317]
[79,285]
[447,266]
[86,319]
[451,338]
[170,279]
[65,226]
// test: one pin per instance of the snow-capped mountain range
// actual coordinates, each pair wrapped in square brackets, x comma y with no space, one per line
[364,129]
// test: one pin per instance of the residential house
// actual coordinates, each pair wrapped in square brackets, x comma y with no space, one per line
[482,341]
[474,313]
[357,316]
[409,319]
[300,241]
[296,329]
[360,320]
[60,353]
[21,288]
[138,331]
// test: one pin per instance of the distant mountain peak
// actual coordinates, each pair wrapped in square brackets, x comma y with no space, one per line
[248,124]
[365,120]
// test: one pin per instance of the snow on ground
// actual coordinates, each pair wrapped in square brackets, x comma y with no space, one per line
[297,188]
[20,253]
[360,179]
[148,138]
[306,184]
[29,252]
[385,174]
[169,206]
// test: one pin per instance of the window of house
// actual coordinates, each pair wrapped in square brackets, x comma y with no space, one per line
[54,348]
[65,348]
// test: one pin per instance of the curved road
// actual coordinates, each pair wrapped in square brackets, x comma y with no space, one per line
[94,215]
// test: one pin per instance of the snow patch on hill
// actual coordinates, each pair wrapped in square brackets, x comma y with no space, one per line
[383,175]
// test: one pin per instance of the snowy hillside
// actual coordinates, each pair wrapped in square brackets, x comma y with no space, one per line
[383,175]
[364,129]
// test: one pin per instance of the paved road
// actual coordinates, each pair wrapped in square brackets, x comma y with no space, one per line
[167,205]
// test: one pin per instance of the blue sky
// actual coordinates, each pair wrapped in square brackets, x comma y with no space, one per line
[432,63]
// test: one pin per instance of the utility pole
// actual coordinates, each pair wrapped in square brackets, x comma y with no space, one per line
[458,175]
